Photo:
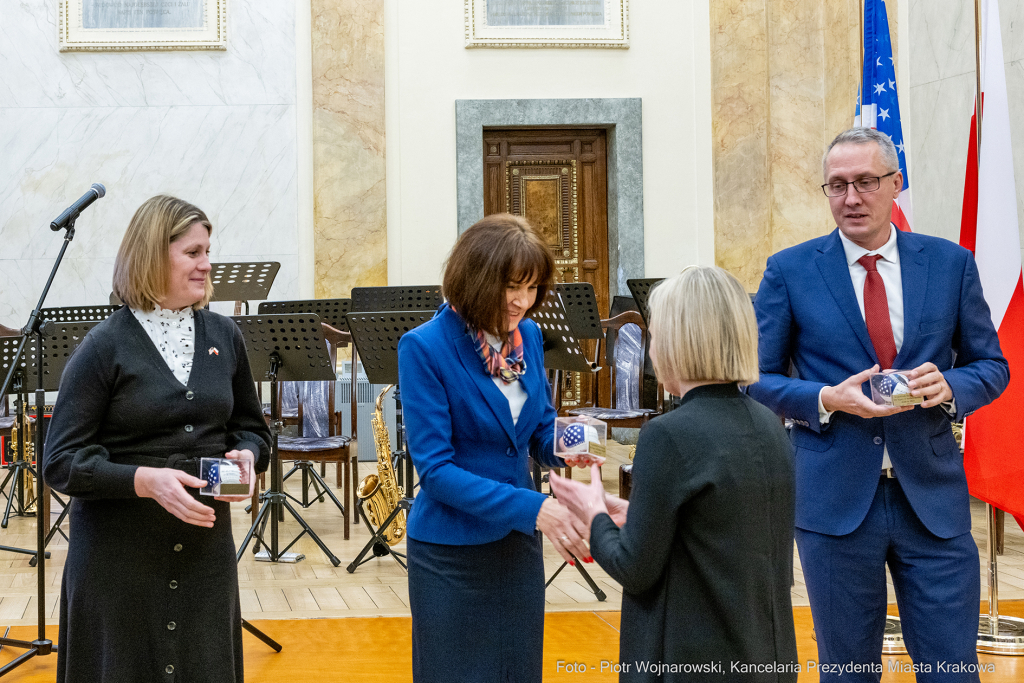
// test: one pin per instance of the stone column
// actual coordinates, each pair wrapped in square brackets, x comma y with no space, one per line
[785,75]
[350,229]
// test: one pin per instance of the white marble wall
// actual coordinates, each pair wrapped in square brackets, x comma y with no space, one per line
[942,75]
[215,128]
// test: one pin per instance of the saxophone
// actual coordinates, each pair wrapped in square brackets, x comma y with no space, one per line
[27,490]
[380,492]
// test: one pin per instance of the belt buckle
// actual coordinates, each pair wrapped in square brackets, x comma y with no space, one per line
[888,473]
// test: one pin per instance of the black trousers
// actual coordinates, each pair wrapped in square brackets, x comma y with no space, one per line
[477,611]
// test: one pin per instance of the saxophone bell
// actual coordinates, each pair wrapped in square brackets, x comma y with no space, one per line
[380,492]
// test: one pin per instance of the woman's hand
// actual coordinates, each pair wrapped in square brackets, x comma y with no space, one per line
[586,501]
[248,474]
[582,460]
[167,487]
[617,508]
[564,531]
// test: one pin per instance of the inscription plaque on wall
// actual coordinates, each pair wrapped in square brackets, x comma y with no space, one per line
[547,23]
[114,25]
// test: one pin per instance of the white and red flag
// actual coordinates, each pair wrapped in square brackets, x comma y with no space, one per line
[994,439]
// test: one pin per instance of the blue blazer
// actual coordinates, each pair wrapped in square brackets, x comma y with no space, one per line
[807,313]
[475,479]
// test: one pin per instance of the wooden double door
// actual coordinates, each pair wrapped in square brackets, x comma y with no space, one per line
[557,178]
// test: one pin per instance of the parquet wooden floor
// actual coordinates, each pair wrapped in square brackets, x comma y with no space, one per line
[332,629]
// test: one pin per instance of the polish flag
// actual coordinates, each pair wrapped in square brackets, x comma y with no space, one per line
[994,435]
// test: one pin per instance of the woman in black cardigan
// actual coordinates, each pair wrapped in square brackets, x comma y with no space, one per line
[150,587]
[705,549]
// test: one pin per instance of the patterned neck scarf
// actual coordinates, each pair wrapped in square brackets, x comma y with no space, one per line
[507,364]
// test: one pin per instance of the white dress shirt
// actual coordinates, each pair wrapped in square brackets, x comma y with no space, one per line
[173,334]
[889,268]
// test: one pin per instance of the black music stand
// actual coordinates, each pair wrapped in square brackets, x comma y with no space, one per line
[413,298]
[41,646]
[376,335]
[243,281]
[641,291]
[331,312]
[59,342]
[562,354]
[283,348]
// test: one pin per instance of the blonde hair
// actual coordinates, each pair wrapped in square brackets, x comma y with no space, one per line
[143,260]
[703,328]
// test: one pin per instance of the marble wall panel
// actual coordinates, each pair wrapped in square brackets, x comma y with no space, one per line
[784,81]
[842,64]
[350,223]
[257,68]
[216,128]
[796,32]
[941,39]
[740,115]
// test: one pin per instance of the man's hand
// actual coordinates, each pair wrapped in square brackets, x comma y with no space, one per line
[928,382]
[848,397]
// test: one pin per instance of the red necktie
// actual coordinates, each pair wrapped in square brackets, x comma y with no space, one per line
[876,313]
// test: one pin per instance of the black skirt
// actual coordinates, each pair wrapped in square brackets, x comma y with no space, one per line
[147,597]
[477,611]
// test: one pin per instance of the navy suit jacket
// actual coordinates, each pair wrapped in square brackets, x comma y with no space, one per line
[807,313]
[475,479]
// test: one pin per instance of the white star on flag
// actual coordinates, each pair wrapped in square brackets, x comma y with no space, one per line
[879,104]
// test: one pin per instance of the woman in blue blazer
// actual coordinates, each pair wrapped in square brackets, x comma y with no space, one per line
[477,407]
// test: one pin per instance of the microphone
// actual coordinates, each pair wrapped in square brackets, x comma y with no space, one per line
[71,213]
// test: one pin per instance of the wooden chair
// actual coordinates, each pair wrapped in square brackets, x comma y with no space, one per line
[319,437]
[620,417]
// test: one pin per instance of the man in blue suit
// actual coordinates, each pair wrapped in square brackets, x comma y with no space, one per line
[879,485]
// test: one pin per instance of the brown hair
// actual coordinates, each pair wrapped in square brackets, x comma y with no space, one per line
[143,260]
[499,250]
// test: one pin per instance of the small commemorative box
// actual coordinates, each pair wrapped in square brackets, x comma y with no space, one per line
[581,436]
[225,477]
[892,388]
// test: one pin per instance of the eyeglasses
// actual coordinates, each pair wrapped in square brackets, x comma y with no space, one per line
[839,188]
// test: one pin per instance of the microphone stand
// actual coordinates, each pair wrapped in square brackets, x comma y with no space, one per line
[41,645]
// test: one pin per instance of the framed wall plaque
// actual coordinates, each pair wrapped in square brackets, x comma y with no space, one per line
[547,23]
[116,25]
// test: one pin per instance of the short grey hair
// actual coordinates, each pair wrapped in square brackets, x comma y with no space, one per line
[862,136]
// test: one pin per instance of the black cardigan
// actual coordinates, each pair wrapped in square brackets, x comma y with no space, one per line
[705,558]
[119,400]
[145,596]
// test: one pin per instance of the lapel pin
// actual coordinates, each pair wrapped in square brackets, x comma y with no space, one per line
[214,351]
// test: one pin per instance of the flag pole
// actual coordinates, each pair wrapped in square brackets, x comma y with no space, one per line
[996,635]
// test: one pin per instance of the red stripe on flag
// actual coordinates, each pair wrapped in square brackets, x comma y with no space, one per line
[994,433]
[969,217]
[899,219]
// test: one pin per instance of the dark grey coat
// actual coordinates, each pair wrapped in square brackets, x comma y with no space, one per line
[145,596]
[705,558]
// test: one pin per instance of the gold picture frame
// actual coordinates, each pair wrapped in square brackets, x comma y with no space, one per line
[584,23]
[124,25]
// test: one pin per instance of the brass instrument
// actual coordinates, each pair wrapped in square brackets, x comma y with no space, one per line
[380,492]
[27,490]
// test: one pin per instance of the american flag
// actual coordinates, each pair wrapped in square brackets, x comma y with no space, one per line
[879,107]
[889,385]
[573,436]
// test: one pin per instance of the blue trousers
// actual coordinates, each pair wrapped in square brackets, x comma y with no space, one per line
[937,590]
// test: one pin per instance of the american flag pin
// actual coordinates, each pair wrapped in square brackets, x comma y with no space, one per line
[214,351]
